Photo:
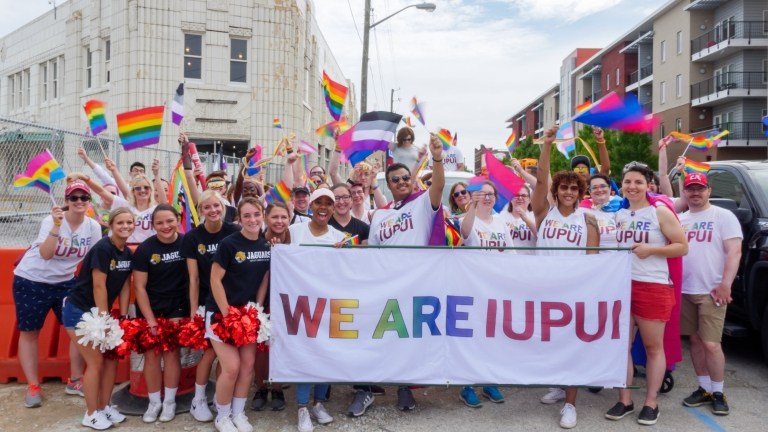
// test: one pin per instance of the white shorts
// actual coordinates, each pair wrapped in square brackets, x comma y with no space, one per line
[208,332]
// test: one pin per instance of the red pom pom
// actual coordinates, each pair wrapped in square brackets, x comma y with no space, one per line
[192,333]
[238,328]
[167,338]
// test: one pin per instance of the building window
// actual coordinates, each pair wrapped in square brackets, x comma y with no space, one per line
[11,93]
[107,57]
[679,86]
[20,87]
[765,71]
[663,51]
[679,42]
[238,61]
[306,86]
[193,56]
[29,87]
[88,67]
[663,91]
[55,79]
[44,78]
[617,77]
[662,131]
[608,82]
[679,125]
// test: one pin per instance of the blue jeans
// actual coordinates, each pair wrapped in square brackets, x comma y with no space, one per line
[71,316]
[302,393]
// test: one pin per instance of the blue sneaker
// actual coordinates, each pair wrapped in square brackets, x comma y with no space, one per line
[469,398]
[493,394]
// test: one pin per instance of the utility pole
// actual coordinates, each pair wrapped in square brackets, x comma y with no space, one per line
[392,100]
[364,78]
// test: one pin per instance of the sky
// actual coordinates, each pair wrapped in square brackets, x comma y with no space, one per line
[473,63]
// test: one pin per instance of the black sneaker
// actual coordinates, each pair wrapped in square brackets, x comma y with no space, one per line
[698,398]
[648,416]
[259,401]
[405,400]
[328,394]
[619,411]
[719,404]
[278,400]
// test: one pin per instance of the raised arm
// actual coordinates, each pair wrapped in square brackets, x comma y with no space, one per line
[605,160]
[438,171]
[469,217]
[158,183]
[288,174]
[681,204]
[665,186]
[96,188]
[527,177]
[119,181]
[539,200]
[98,171]
[378,195]
[189,172]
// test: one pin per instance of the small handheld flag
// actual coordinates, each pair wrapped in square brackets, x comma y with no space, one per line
[94,109]
[566,147]
[280,193]
[353,241]
[507,183]
[335,95]
[452,236]
[511,142]
[177,107]
[276,124]
[692,167]
[140,128]
[418,110]
[306,147]
[42,171]
[407,120]
[444,135]
[475,183]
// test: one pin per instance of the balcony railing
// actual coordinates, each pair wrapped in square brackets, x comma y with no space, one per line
[648,106]
[733,30]
[729,81]
[632,78]
[737,131]
[646,71]
[597,95]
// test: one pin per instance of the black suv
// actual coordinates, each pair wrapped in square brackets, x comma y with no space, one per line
[742,187]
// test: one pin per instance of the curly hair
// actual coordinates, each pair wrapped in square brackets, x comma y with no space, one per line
[568,177]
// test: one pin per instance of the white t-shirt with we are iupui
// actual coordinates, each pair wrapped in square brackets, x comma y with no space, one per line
[144,228]
[494,234]
[706,231]
[407,225]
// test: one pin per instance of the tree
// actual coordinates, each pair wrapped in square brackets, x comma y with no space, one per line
[623,148]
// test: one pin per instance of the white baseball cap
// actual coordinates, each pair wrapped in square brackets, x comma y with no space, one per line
[322,193]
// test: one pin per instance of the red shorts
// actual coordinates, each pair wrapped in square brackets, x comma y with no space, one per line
[652,301]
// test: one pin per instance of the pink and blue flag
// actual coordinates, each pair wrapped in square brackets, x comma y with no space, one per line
[476,183]
[507,183]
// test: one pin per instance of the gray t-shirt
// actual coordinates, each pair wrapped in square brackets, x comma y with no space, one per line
[405,156]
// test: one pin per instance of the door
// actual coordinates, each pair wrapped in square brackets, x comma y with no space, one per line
[724,77]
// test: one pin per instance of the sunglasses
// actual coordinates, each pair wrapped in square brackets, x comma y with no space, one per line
[75,198]
[598,187]
[581,170]
[250,189]
[141,188]
[316,173]
[408,140]
[633,165]
[428,182]
[405,178]
[459,193]
[566,188]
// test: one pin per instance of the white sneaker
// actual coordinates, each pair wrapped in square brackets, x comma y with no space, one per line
[113,415]
[225,424]
[568,419]
[241,423]
[200,410]
[305,422]
[554,396]
[96,421]
[169,411]
[320,414]
[153,410]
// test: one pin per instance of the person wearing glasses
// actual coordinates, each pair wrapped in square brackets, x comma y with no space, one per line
[458,200]
[409,220]
[568,189]
[342,218]
[404,151]
[602,209]
[44,277]
[655,235]
[217,181]
[520,221]
[580,164]
[141,201]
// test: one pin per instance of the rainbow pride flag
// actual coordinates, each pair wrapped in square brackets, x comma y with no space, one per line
[700,143]
[583,107]
[280,193]
[94,109]
[452,236]
[692,167]
[140,128]
[507,183]
[354,241]
[42,171]
[327,130]
[256,162]
[179,198]
[418,110]
[511,142]
[444,135]
[335,95]
[276,124]
[422,164]
[407,120]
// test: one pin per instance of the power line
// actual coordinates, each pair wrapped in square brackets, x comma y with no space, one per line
[354,22]
[378,60]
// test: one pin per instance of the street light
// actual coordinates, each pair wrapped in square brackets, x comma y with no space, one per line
[429,7]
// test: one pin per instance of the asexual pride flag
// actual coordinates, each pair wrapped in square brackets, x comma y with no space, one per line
[373,133]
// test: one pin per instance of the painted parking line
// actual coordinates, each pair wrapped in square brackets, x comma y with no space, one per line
[708,421]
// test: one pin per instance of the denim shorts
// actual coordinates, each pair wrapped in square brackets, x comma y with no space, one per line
[71,316]
[34,300]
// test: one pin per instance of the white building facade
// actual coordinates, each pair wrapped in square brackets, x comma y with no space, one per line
[243,62]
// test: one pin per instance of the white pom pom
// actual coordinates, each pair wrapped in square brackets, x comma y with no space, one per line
[265,325]
[100,330]
[200,311]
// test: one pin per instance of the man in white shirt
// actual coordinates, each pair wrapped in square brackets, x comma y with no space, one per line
[715,237]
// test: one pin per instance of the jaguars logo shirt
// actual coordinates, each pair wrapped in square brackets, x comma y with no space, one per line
[105,257]
[165,267]
[201,245]
[246,262]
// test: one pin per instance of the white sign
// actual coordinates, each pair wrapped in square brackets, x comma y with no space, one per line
[418,316]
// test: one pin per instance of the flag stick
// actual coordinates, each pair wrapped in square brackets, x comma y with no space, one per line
[101,147]
[687,147]
[50,195]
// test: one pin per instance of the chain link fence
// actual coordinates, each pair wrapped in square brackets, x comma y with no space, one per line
[22,211]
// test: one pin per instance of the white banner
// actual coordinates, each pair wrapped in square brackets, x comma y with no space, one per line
[417,316]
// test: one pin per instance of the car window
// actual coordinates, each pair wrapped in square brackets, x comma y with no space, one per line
[725,184]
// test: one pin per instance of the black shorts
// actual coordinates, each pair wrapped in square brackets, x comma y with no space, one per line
[168,308]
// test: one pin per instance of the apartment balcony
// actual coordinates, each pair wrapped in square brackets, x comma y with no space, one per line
[597,95]
[648,107]
[640,77]
[740,133]
[725,40]
[728,87]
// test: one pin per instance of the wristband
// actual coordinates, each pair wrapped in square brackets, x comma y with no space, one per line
[53,235]
[601,142]
[437,160]
[57,223]
[375,187]
[349,180]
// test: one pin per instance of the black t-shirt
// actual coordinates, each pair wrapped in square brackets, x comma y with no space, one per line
[165,267]
[200,245]
[108,259]
[245,262]
[230,214]
[355,227]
